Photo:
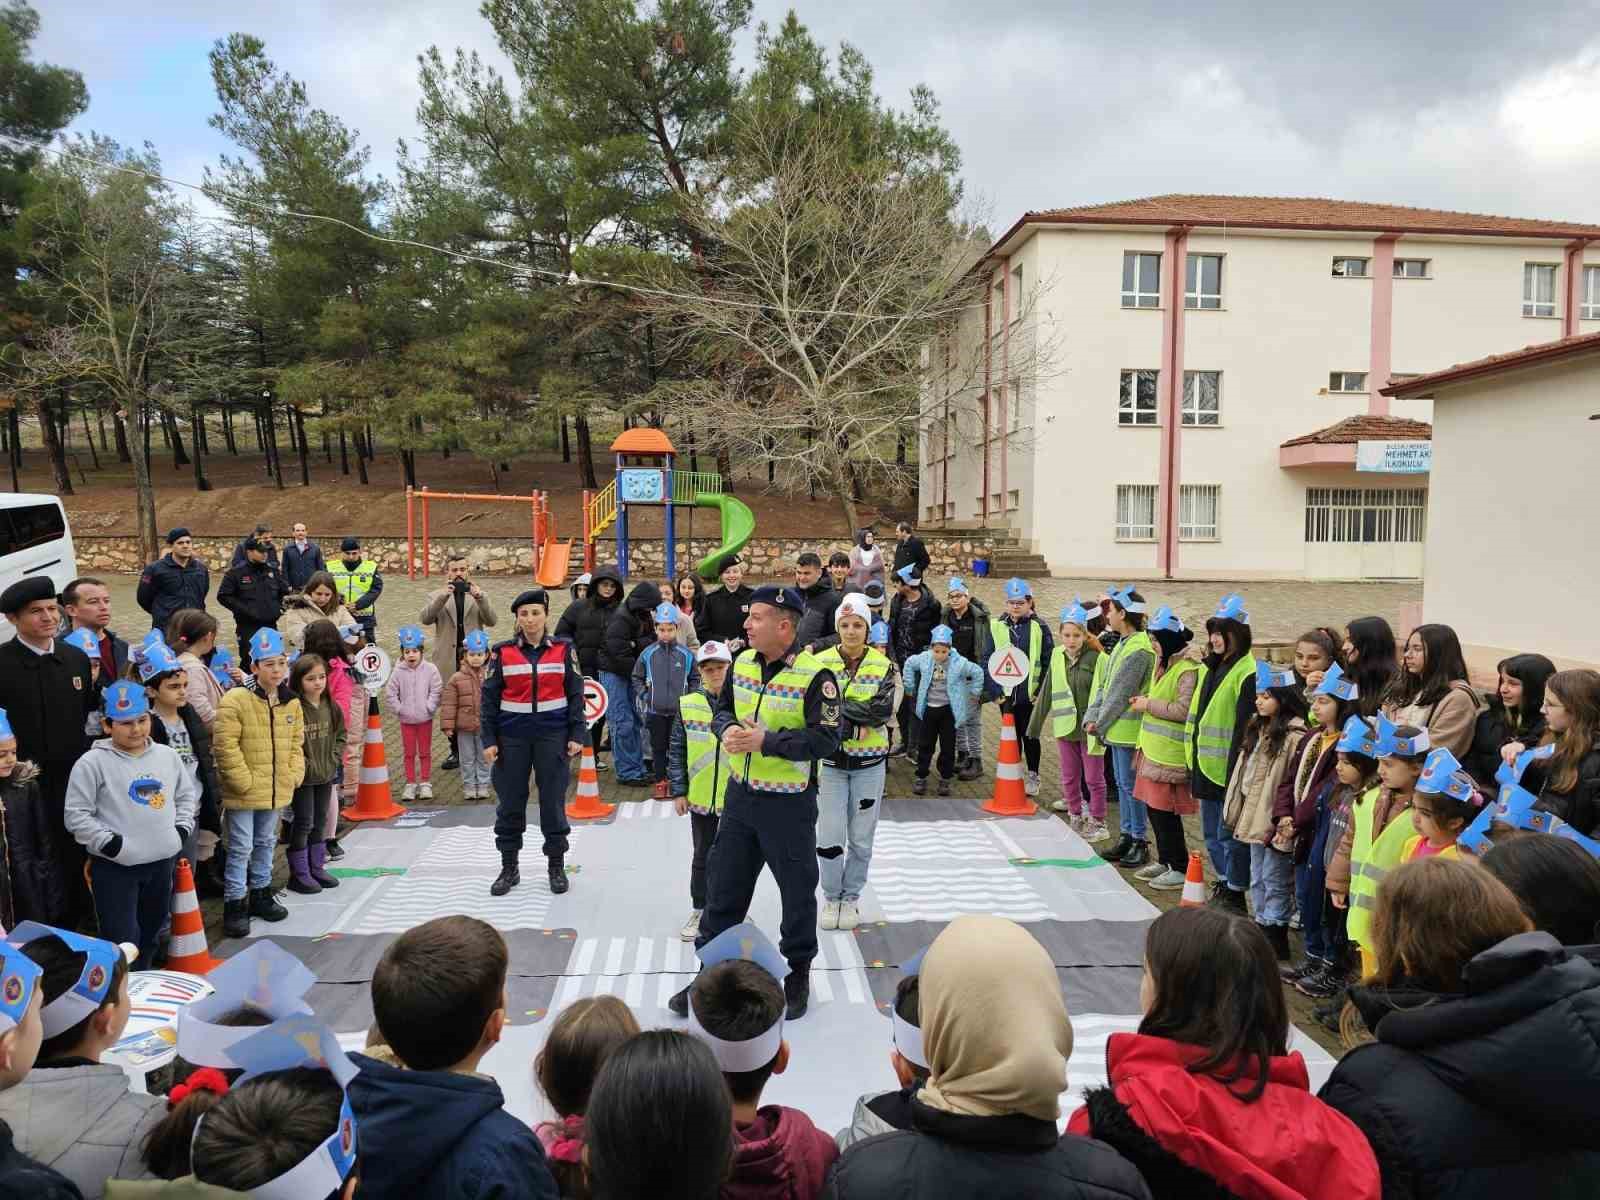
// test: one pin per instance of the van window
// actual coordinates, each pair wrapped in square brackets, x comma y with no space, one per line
[30,525]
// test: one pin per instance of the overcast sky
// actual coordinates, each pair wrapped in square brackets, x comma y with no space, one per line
[1436,103]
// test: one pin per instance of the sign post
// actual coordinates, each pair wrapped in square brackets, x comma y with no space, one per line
[1009,666]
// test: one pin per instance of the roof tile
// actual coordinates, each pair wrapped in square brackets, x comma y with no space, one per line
[1366,428]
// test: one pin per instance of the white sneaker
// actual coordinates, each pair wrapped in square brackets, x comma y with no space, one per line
[830,915]
[601,764]
[1154,870]
[691,927]
[1168,881]
[410,793]
[1061,806]
[849,916]
[425,791]
[1094,831]
[1030,783]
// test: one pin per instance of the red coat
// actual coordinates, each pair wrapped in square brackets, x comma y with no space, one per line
[780,1155]
[1175,1126]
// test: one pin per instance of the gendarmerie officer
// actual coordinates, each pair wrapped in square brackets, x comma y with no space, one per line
[531,721]
[777,717]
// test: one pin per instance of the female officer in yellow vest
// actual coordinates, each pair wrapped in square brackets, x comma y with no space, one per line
[1222,708]
[1110,716]
[777,717]
[1030,635]
[850,784]
[697,772]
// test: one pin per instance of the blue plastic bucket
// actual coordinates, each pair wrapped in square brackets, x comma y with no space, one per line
[980,568]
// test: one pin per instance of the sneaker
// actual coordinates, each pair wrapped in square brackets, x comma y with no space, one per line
[944,786]
[1324,985]
[849,915]
[424,791]
[1095,831]
[408,794]
[973,769]
[1030,783]
[897,751]
[678,1006]
[829,918]
[1061,806]
[1290,972]
[601,764]
[1153,871]
[691,927]
[1223,896]
[332,848]
[1168,881]
[452,763]
[919,786]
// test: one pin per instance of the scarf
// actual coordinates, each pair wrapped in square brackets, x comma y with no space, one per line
[994,1024]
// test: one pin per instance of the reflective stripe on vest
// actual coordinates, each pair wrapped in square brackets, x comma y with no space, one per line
[1126,730]
[1163,741]
[1212,730]
[353,583]
[780,703]
[1063,707]
[708,777]
[1370,860]
[868,741]
[518,693]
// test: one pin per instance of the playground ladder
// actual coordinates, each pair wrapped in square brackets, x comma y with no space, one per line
[602,510]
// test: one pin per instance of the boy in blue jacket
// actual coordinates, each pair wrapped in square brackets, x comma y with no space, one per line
[944,688]
[661,675]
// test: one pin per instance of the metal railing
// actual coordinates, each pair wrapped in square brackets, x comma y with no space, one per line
[602,511]
[686,483]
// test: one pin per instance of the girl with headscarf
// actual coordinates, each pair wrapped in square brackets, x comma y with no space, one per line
[866,563]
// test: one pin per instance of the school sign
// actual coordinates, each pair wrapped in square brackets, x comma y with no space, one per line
[1395,458]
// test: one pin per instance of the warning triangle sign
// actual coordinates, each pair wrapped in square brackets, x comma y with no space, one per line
[1008,666]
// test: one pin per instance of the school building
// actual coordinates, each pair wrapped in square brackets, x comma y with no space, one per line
[1194,386]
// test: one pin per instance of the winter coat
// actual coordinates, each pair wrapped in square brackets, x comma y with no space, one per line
[298,612]
[462,700]
[1119,688]
[350,698]
[202,688]
[166,588]
[1194,1136]
[413,693]
[1389,806]
[816,623]
[47,698]
[324,739]
[583,622]
[440,612]
[910,551]
[876,1113]
[1311,775]
[1341,838]
[80,1118]
[254,595]
[1451,721]
[241,557]
[21,1176]
[1245,708]
[911,625]
[1489,1092]
[260,752]
[957,1157]
[31,887]
[444,1136]
[630,629]
[977,620]
[1494,731]
[1580,805]
[131,808]
[780,1155]
[209,813]
[661,675]
[722,616]
[963,680]
[1080,678]
[866,564]
[299,566]
[1253,787]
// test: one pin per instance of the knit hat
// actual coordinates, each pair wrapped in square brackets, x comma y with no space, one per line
[174,534]
[853,605]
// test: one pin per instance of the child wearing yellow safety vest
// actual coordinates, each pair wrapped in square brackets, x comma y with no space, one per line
[1222,708]
[1076,664]
[1111,718]
[697,776]
[1378,839]
[1161,771]
[1358,789]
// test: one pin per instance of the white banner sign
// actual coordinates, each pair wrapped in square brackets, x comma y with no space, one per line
[1395,458]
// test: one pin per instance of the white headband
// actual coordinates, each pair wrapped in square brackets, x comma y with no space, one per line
[908,1040]
[735,1058]
[205,1044]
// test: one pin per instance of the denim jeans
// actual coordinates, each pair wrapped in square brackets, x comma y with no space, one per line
[1309,884]
[626,755]
[1220,845]
[848,804]
[1130,812]
[252,836]
[1271,883]
[474,771]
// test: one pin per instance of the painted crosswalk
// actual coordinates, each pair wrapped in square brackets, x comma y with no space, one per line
[411,899]
[942,839]
[909,893]
[648,810]
[465,849]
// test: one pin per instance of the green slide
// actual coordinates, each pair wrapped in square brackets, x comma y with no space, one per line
[738,526]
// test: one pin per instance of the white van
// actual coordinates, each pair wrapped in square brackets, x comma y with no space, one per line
[35,539]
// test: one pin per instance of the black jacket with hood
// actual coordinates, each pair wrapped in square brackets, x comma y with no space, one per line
[585,621]
[630,628]
[911,628]
[209,814]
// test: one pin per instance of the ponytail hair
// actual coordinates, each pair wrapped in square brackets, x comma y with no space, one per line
[194,1093]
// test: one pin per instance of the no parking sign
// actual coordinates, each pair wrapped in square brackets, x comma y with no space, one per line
[375,666]
[595,701]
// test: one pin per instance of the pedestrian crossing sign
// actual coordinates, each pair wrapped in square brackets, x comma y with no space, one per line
[1009,666]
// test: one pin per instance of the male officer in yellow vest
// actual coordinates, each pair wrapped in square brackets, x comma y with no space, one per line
[778,716]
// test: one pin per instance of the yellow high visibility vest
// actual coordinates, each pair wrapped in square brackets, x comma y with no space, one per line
[1126,730]
[779,703]
[1370,860]
[1163,741]
[1210,749]
[353,582]
[869,741]
[708,774]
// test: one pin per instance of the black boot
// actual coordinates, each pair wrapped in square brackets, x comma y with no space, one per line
[1138,854]
[1124,844]
[452,763]
[797,991]
[1278,938]
[264,905]
[332,848]
[678,1006]
[558,875]
[208,877]
[236,919]
[508,878]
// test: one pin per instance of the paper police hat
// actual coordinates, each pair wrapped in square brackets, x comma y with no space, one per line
[1509,774]
[942,635]
[19,975]
[956,584]
[1076,614]
[411,637]
[1391,743]
[7,734]
[1442,776]
[666,613]
[157,660]
[125,700]
[713,652]
[874,593]
[1336,685]
[263,979]
[1165,619]
[1124,598]
[352,633]
[1357,737]
[84,640]
[476,642]
[1231,608]
[154,638]
[878,635]
[266,643]
[908,574]
[1514,806]
[853,605]
[1017,589]
[303,1041]
[908,1037]
[221,660]
[748,943]
[1268,677]
[85,996]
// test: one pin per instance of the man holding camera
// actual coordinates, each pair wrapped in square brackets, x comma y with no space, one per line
[454,611]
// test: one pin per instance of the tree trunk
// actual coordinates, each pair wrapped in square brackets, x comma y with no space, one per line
[274,462]
[197,425]
[586,475]
[305,467]
[57,453]
[344,454]
[361,456]
[370,444]
[408,464]
[839,479]
[175,436]
[202,435]
[144,430]
[327,447]
[227,429]
[725,469]
[120,427]
[88,436]
[100,423]
[14,444]
[566,441]
[144,493]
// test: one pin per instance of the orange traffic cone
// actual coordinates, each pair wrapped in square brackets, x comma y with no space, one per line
[372,796]
[1009,800]
[1194,884]
[586,803]
[187,950]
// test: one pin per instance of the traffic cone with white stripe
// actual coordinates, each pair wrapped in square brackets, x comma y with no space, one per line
[1009,799]
[1194,884]
[586,804]
[187,949]
[373,802]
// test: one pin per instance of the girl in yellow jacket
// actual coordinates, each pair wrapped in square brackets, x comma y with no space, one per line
[258,741]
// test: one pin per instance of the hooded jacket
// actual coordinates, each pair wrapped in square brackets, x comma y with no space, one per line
[629,630]
[31,887]
[260,750]
[209,812]
[780,1155]
[584,622]
[131,808]
[298,612]
[412,693]
[661,675]
[880,1112]
[81,1119]
[911,625]
[816,623]
[204,692]
[444,1136]
[1493,1091]
[963,680]
[165,587]
[461,700]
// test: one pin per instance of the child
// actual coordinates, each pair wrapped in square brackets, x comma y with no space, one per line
[736,1007]
[1445,803]
[1161,766]
[889,1111]
[878,639]
[21,1030]
[945,686]
[1315,651]
[1271,743]
[337,647]
[174,723]
[1572,781]
[412,694]
[1110,717]
[435,1126]
[192,636]
[1378,841]
[131,804]
[458,715]
[1357,771]
[261,761]
[1074,663]
[71,1112]
[1515,714]
[323,723]
[661,675]
[1019,626]
[697,776]
[581,1039]
[27,866]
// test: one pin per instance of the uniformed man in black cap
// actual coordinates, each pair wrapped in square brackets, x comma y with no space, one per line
[777,717]
[531,720]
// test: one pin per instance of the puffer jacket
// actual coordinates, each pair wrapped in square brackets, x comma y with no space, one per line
[629,631]
[31,887]
[461,701]
[260,748]
[963,680]
[80,1118]
[1579,806]
[204,692]
[1253,787]
[298,612]
[584,621]
[413,693]
[877,1112]
[1495,729]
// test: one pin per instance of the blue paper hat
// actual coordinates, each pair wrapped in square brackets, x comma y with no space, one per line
[1268,677]
[1358,738]
[1017,589]
[19,975]
[476,642]
[1335,684]
[942,635]
[263,979]
[411,637]
[1076,614]
[1165,619]
[265,643]
[1509,774]
[907,1038]
[908,574]
[878,635]
[1124,598]
[85,996]
[666,613]
[157,660]
[1231,608]
[745,942]
[956,584]
[221,660]
[7,734]
[1442,776]
[351,633]
[1516,807]
[154,637]
[125,700]
[1391,743]
[85,641]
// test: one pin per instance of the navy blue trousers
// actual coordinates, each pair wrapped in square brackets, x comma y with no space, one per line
[778,832]
[545,759]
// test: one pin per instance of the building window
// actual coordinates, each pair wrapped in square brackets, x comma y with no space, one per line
[1350,268]
[1538,289]
[1013,500]
[1136,512]
[1366,514]
[1136,404]
[1590,307]
[1202,397]
[1347,381]
[1141,280]
[1198,504]
[1203,281]
[1411,268]
[1016,293]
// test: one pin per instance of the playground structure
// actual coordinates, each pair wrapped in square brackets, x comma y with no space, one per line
[657,483]
[551,558]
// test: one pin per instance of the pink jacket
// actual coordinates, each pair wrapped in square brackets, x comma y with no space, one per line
[413,693]
[342,688]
